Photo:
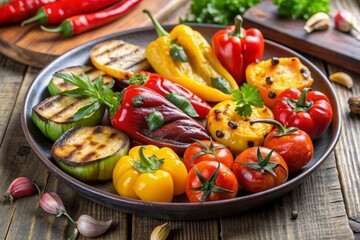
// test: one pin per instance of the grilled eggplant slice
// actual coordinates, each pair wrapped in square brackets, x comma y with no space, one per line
[55,115]
[90,153]
[58,85]
[118,59]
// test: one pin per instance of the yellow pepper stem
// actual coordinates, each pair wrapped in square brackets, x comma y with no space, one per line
[159,29]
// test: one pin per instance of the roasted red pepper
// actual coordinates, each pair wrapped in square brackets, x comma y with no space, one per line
[55,13]
[19,10]
[85,22]
[308,110]
[166,88]
[147,117]
[236,48]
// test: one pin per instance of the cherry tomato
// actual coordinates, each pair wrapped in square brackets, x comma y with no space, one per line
[207,150]
[259,168]
[210,181]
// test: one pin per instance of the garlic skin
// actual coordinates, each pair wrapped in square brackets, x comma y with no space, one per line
[52,203]
[20,187]
[342,78]
[318,21]
[345,21]
[161,232]
[90,227]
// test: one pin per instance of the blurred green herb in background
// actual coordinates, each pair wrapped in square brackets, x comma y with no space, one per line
[301,9]
[217,11]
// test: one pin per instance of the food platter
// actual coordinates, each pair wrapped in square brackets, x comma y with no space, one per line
[180,209]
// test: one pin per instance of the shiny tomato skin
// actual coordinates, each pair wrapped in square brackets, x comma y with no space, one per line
[296,148]
[225,179]
[225,155]
[254,180]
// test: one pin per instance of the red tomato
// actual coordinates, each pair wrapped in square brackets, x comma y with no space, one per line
[206,150]
[259,168]
[213,181]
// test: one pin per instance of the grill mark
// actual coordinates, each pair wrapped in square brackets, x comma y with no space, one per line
[87,157]
[120,45]
[65,109]
[102,146]
[49,103]
[117,59]
[136,63]
[71,154]
[98,130]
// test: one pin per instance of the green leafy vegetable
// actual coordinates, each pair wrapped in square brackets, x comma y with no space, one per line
[177,52]
[246,97]
[301,9]
[217,11]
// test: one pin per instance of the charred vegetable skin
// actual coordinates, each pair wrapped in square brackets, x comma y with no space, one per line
[308,110]
[84,22]
[150,173]
[185,57]
[167,88]
[90,153]
[236,48]
[19,10]
[174,128]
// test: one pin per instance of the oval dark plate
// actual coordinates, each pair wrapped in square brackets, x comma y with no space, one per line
[105,194]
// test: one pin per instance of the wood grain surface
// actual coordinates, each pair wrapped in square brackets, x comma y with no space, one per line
[30,45]
[325,201]
[331,45]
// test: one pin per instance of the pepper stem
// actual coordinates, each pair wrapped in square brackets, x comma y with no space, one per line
[65,28]
[159,29]
[300,105]
[147,164]
[39,16]
[238,24]
[282,130]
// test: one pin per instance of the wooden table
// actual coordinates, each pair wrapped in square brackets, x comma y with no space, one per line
[328,202]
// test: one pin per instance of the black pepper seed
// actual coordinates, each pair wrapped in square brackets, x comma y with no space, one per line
[217,118]
[250,144]
[275,61]
[269,80]
[232,125]
[265,135]
[294,215]
[217,111]
[305,73]
[219,134]
[272,94]
[257,60]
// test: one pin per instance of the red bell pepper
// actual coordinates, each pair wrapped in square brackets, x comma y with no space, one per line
[308,110]
[166,88]
[236,48]
[148,118]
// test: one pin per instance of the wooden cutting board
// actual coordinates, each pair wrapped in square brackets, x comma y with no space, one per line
[32,46]
[331,45]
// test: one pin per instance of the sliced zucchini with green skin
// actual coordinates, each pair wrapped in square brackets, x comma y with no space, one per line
[58,85]
[54,115]
[90,153]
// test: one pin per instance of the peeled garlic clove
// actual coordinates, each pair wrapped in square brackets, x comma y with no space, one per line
[161,232]
[318,21]
[342,78]
[90,227]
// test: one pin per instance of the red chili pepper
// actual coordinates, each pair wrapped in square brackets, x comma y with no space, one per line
[165,87]
[85,22]
[147,117]
[308,110]
[55,13]
[236,48]
[19,10]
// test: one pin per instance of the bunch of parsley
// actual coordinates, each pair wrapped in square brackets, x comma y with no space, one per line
[301,9]
[217,11]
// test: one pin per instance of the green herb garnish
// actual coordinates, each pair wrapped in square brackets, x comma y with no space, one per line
[246,97]
[301,9]
[177,52]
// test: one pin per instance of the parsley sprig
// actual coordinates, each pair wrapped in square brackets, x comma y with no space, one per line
[97,91]
[246,97]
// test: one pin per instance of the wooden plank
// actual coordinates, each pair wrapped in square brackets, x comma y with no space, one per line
[32,46]
[330,45]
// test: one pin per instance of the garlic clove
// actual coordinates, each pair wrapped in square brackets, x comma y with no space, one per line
[90,227]
[52,203]
[20,187]
[342,78]
[161,232]
[354,105]
[318,21]
[345,21]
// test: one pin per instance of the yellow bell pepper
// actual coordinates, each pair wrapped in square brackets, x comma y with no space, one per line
[200,71]
[150,174]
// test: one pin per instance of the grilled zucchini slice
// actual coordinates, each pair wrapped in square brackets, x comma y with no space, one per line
[54,115]
[58,85]
[119,59]
[90,153]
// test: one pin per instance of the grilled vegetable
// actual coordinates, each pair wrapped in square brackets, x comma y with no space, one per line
[55,115]
[90,153]
[58,85]
[118,58]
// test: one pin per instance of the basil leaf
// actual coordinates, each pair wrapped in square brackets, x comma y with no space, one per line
[154,120]
[177,52]
[86,111]
[221,84]
[183,103]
